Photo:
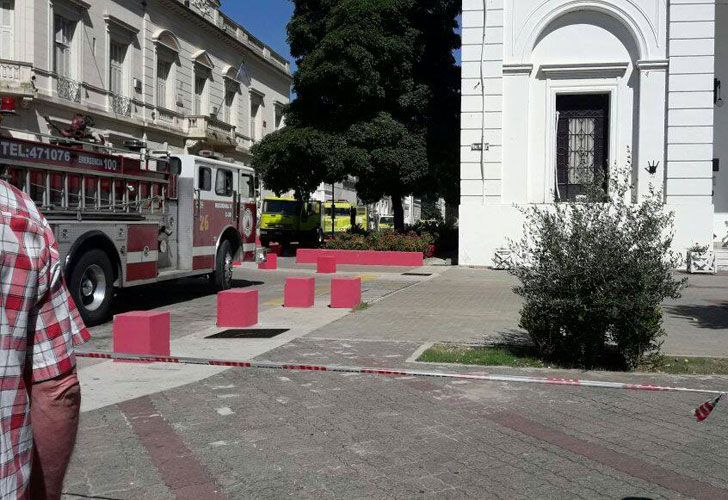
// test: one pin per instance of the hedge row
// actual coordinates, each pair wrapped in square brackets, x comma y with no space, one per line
[382,241]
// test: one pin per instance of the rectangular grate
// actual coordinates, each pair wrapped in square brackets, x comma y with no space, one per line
[253,333]
[416,274]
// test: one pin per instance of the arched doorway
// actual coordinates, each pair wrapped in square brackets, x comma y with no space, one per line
[584,96]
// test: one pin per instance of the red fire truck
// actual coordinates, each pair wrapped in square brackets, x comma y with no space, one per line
[124,219]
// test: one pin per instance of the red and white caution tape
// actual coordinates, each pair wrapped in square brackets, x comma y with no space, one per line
[393,372]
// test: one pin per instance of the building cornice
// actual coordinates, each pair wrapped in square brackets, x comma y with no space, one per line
[659,64]
[119,24]
[230,38]
[517,69]
[592,70]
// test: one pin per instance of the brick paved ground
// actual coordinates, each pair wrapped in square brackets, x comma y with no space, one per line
[470,305]
[459,305]
[270,434]
[697,323]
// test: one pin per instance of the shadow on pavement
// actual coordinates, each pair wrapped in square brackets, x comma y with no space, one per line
[147,297]
[713,316]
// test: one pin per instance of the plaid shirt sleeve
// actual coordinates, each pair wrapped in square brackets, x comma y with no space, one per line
[55,320]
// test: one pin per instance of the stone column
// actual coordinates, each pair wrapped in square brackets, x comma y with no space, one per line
[650,151]
[516,79]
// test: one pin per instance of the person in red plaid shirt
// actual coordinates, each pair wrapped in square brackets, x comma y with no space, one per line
[39,326]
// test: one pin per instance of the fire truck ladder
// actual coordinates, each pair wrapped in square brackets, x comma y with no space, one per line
[59,191]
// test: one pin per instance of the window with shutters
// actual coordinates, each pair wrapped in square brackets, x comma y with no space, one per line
[7,28]
[64,30]
[256,118]
[200,85]
[163,73]
[117,53]
[279,117]
[228,111]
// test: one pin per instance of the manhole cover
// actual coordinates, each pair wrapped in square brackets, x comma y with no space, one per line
[259,333]
[416,274]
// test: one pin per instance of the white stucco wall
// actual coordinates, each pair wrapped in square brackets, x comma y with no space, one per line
[720,148]
[660,113]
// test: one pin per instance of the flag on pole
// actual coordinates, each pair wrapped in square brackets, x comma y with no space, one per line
[242,74]
[704,410]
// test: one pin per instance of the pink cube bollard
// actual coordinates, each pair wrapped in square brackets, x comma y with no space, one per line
[271,262]
[237,308]
[142,332]
[299,292]
[326,265]
[345,293]
[275,248]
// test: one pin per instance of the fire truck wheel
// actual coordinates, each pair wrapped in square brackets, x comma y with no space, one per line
[222,278]
[92,286]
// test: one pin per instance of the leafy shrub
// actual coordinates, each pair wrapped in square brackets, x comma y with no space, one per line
[698,248]
[597,274]
[382,241]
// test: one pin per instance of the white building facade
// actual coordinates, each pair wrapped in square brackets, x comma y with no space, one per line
[178,75]
[554,90]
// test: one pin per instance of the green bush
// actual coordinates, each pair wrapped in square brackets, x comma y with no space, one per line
[382,241]
[594,275]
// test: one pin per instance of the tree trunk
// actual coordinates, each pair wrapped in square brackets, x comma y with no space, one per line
[398,210]
[333,212]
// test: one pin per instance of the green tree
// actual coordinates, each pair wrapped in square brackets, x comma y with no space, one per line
[379,79]
[299,159]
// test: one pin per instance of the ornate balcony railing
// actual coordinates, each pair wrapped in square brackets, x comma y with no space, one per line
[121,105]
[68,89]
[16,77]
[210,130]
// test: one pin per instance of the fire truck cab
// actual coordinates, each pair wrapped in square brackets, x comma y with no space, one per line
[124,219]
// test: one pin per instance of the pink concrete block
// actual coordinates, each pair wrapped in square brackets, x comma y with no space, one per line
[326,265]
[275,248]
[271,262]
[361,257]
[299,292]
[345,293]
[237,308]
[142,332]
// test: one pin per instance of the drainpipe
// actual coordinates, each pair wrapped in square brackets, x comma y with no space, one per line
[482,90]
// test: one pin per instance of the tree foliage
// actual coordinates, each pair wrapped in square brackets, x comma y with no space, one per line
[595,274]
[379,79]
[299,159]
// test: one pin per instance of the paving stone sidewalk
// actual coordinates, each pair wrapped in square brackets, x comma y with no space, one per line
[473,305]
[271,434]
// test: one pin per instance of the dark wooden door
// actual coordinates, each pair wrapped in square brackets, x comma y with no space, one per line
[582,143]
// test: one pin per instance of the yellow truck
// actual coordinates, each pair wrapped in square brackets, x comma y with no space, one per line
[287,220]
[386,222]
[342,217]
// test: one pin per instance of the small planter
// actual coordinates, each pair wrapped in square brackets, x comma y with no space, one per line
[504,259]
[702,262]
[430,252]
